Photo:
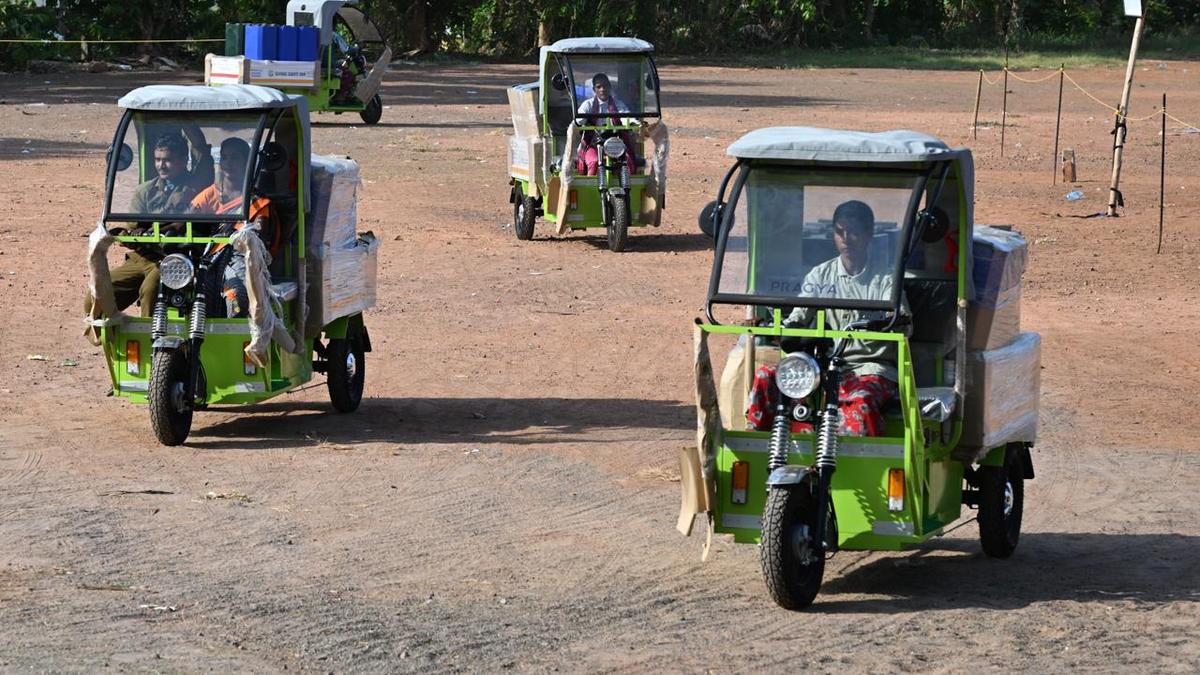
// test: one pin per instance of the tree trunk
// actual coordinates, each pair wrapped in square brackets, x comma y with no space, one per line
[543,36]
[868,22]
[418,28]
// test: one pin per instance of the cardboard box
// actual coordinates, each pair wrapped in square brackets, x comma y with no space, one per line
[996,326]
[733,393]
[241,70]
[1003,392]
[525,158]
[523,102]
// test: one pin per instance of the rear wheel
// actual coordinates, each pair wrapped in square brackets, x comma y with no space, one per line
[170,411]
[524,215]
[372,111]
[346,371]
[618,224]
[1001,504]
[791,562]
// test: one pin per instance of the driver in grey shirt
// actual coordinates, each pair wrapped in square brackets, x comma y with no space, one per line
[869,380]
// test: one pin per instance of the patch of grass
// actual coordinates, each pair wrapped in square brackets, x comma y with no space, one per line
[1043,56]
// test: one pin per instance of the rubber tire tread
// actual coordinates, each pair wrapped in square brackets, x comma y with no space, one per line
[788,584]
[998,536]
[170,426]
[618,228]
[523,227]
[345,393]
[372,111]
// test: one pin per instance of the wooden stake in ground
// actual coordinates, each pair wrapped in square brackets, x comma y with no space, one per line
[1114,194]
[1004,111]
[978,93]
[1062,71]
[1162,174]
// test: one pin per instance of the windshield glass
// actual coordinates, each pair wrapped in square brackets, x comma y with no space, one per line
[816,238]
[183,164]
[626,83]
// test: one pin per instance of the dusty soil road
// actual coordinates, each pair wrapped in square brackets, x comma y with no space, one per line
[503,499]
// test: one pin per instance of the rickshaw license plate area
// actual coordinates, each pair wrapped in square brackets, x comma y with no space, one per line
[1107,557]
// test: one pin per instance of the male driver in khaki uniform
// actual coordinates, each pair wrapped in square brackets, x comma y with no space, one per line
[169,193]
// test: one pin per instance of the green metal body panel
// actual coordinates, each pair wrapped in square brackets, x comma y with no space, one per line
[587,212]
[221,358]
[320,99]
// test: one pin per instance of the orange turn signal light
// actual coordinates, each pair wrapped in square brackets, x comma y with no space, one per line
[133,357]
[895,489]
[740,482]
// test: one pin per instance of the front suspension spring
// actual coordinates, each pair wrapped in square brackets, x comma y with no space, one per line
[199,318]
[827,440]
[780,440]
[158,327]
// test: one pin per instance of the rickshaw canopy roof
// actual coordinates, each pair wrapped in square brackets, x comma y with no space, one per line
[200,98]
[600,45]
[810,144]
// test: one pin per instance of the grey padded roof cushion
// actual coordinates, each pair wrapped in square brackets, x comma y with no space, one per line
[834,145]
[600,45]
[182,98]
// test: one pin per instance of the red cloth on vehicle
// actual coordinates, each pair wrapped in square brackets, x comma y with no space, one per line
[863,398]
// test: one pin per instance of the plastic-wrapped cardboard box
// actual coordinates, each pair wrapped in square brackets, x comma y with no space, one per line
[994,310]
[523,102]
[1003,394]
[341,264]
[735,382]
[526,157]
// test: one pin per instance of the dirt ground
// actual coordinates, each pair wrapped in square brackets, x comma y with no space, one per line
[504,497]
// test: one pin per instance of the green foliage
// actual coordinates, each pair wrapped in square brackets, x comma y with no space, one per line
[514,28]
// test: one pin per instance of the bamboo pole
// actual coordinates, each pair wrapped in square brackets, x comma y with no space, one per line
[1062,70]
[1004,111]
[1114,194]
[978,93]
[1162,174]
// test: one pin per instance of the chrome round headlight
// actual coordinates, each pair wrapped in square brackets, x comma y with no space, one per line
[176,271]
[798,375]
[614,147]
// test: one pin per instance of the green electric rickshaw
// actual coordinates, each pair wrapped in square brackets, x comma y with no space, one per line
[189,352]
[959,433]
[579,157]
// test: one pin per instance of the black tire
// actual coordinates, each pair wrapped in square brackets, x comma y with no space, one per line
[618,225]
[790,514]
[1001,504]
[524,217]
[372,111]
[170,414]
[347,371]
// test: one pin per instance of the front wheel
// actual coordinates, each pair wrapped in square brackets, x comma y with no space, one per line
[524,215]
[1001,504]
[618,224]
[170,411]
[792,564]
[372,111]
[347,371]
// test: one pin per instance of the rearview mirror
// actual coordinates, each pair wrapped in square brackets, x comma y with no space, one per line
[710,217]
[272,157]
[124,157]
[651,81]
[558,82]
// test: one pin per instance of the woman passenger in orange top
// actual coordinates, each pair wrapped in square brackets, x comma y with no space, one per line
[226,195]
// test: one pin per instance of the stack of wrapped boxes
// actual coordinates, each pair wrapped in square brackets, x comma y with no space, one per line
[1003,364]
[526,149]
[341,264]
[266,54]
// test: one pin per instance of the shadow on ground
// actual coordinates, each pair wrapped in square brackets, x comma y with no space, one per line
[1047,566]
[527,421]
